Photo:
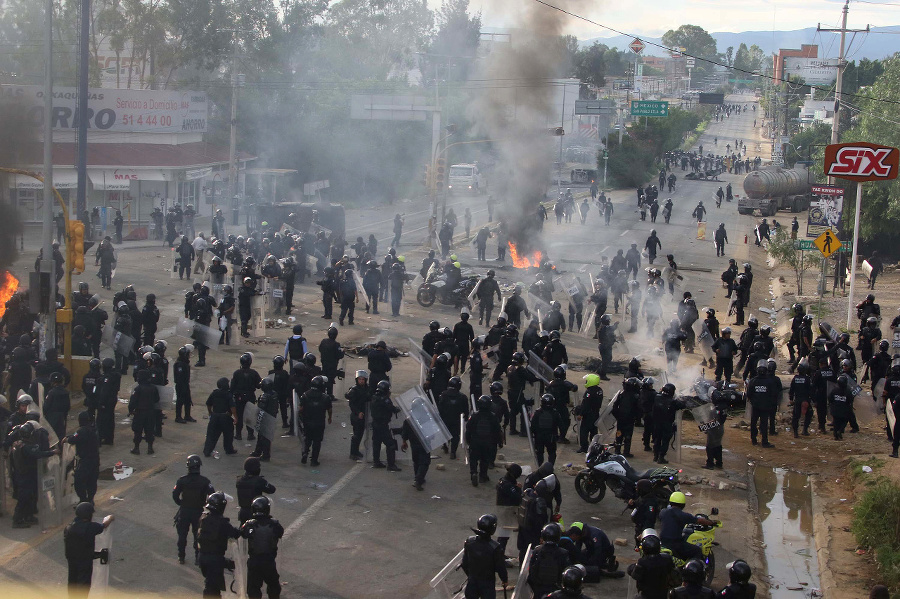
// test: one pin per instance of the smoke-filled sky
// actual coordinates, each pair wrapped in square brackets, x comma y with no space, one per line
[655,17]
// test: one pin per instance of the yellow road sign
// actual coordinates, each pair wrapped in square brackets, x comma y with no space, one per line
[828,243]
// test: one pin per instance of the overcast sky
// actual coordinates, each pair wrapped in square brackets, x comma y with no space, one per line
[655,17]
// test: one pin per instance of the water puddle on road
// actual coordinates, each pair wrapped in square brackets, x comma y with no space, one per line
[784,499]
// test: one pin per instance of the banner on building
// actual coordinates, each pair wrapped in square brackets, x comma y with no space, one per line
[120,110]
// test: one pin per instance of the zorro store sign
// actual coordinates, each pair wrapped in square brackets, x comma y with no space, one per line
[119,110]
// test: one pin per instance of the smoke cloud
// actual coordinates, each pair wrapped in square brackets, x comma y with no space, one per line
[518,111]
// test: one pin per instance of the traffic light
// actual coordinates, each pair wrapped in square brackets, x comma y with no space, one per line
[440,172]
[427,180]
[75,246]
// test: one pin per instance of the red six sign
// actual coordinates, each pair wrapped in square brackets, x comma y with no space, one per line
[861,161]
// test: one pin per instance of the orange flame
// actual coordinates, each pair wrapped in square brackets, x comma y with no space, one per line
[7,289]
[523,261]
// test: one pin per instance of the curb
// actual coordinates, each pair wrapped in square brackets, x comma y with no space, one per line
[820,536]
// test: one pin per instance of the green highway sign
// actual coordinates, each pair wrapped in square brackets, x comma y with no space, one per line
[649,108]
[808,245]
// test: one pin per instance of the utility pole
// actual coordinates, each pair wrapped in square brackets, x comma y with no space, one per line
[48,268]
[84,58]
[838,86]
[232,143]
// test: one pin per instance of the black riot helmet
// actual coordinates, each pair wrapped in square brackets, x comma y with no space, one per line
[758,346]
[108,364]
[193,463]
[554,336]
[84,510]
[883,345]
[496,388]
[486,525]
[443,359]
[455,383]
[434,325]
[668,389]
[551,533]
[160,347]
[693,572]
[483,403]
[246,360]
[94,364]
[752,322]
[261,506]
[216,502]
[383,386]
[222,384]
[332,332]
[559,373]
[267,384]
[765,330]
[605,319]
[512,330]
[573,576]
[309,359]
[278,362]
[518,358]
[844,338]
[547,400]
[318,382]
[739,572]
[650,544]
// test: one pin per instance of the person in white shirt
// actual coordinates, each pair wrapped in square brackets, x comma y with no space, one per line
[200,245]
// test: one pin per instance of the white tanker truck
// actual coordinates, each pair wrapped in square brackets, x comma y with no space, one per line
[774,188]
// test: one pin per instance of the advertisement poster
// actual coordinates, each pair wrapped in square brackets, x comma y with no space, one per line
[825,210]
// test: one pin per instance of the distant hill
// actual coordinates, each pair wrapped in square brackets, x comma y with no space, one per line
[871,46]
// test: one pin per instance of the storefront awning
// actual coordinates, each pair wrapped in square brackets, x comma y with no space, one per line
[120,179]
[62,179]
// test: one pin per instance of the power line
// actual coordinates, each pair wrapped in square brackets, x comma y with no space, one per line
[708,60]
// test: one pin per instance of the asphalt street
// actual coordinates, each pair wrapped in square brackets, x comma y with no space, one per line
[357,532]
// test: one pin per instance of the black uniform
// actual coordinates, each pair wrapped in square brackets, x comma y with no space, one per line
[483,561]
[517,377]
[220,405]
[589,411]
[56,409]
[483,436]
[379,362]
[79,537]
[820,381]
[107,398]
[181,372]
[421,457]
[315,405]
[545,425]
[761,395]
[249,487]
[263,534]
[358,398]
[626,411]
[451,405]
[383,410]
[87,468]
[212,539]
[663,417]
[476,373]
[560,390]
[548,561]
[142,407]
[330,353]
[268,403]
[800,393]
[90,385]
[692,591]
[736,590]
[190,493]
[244,383]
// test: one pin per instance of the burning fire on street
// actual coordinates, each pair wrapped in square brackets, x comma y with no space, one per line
[522,261]
[7,289]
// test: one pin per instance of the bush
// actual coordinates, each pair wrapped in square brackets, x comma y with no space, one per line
[876,525]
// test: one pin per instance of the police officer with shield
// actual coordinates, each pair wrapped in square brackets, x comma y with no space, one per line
[483,560]
[215,530]
[79,537]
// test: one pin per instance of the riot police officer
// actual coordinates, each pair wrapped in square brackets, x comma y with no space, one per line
[244,383]
[315,405]
[548,560]
[212,540]
[189,494]
[739,586]
[451,405]
[79,537]
[383,409]
[250,486]
[483,560]
[483,435]
[87,450]
[263,533]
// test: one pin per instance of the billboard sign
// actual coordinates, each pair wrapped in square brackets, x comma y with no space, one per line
[118,110]
[861,161]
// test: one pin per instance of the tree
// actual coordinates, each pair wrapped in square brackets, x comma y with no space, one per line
[590,65]
[876,124]
[781,247]
[696,42]
[456,39]
[729,55]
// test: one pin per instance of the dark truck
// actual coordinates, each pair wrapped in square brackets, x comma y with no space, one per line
[301,215]
[774,188]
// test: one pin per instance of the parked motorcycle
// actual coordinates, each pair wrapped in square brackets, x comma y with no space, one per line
[605,468]
[433,288]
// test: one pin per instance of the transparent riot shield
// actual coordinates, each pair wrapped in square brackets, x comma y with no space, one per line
[275,294]
[631,593]
[587,326]
[67,496]
[474,292]
[705,342]
[100,576]
[424,419]
[891,417]
[877,392]
[239,556]
[530,439]
[120,342]
[462,437]
[539,368]
[419,355]
[537,304]
[260,421]
[606,422]
[166,397]
[442,584]
[200,333]
[522,590]
[49,513]
[827,330]
[704,417]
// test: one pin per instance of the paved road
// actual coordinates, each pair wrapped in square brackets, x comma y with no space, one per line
[357,532]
